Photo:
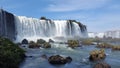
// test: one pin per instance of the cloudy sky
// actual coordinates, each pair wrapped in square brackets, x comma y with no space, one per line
[97,15]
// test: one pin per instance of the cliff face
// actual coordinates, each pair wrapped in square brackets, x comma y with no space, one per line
[7,25]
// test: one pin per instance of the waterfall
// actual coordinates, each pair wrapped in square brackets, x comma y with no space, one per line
[21,27]
[32,28]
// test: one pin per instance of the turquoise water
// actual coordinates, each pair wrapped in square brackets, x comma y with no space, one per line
[79,55]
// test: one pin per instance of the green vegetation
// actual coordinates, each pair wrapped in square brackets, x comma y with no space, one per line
[10,54]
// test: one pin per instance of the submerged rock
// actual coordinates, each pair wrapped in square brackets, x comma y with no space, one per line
[102,65]
[24,41]
[44,56]
[96,55]
[57,59]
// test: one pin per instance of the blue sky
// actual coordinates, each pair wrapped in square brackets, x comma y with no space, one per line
[97,15]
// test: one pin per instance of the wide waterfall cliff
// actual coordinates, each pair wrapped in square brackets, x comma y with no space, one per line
[20,27]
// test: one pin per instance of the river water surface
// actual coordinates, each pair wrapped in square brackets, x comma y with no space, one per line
[79,55]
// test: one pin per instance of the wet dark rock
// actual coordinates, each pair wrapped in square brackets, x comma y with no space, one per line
[32,44]
[102,65]
[46,45]
[24,41]
[69,59]
[57,59]
[43,18]
[41,41]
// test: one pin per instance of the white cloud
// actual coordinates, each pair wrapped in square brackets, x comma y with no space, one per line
[71,5]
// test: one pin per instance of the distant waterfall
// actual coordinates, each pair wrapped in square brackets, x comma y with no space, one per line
[21,27]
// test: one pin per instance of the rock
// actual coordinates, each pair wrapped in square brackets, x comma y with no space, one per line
[73,43]
[102,65]
[116,48]
[46,45]
[97,55]
[87,42]
[104,45]
[50,40]
[29,56]
[24,41]
[57,59]
[69,59]
[44,56]
[41,41]
[43,18]
[32,44]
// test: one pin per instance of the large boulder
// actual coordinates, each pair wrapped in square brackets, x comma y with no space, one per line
[97,55]
[102,65]
[24,41]
[57,59]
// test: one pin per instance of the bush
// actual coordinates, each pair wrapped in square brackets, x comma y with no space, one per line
[10,54]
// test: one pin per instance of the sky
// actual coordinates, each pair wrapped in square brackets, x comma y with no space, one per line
[97,15]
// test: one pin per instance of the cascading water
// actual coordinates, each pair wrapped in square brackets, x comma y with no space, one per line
[32,28]
[20,27]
